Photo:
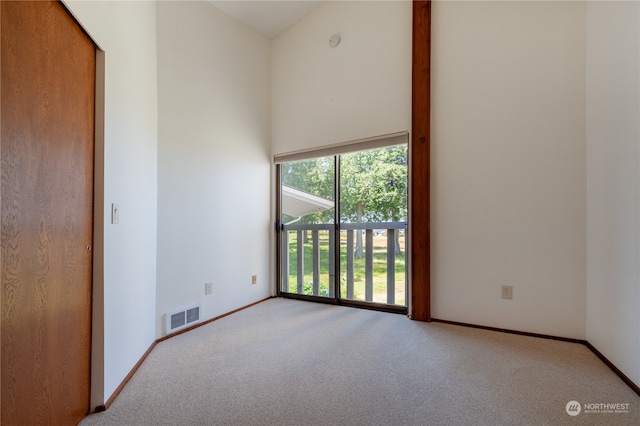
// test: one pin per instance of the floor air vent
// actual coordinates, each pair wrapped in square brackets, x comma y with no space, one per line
[177,320]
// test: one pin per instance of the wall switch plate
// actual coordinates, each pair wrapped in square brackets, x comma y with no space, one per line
[115,213]
[507,292]
[254,279]
[208,288]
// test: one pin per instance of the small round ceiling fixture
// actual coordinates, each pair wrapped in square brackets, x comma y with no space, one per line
[334,40]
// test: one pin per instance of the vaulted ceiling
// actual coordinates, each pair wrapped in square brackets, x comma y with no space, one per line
[268,17]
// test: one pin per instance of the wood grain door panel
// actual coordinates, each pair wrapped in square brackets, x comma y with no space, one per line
[47,140]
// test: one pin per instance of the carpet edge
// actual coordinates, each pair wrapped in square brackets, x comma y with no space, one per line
[634,387]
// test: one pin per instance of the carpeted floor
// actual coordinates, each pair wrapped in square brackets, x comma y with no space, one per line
[287,362]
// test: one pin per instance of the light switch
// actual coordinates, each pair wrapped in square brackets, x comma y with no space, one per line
[115,213]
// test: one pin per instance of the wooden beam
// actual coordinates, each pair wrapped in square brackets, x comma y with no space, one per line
[420,163]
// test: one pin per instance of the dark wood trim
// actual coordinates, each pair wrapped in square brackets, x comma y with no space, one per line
[420,163]
[613,368]
[592,348]
[115,394]
[162,339]
[1,256]
[505,330]
[622,376]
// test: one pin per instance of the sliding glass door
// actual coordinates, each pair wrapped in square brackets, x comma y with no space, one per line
[342,228]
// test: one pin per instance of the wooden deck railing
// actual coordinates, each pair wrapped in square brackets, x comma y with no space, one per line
[299,231]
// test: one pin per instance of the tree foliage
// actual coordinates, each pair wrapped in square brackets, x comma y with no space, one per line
[373,184]
[315,176]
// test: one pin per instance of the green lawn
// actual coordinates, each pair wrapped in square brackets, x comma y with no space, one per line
[379,269]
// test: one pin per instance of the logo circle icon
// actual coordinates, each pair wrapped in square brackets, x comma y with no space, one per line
[573,408]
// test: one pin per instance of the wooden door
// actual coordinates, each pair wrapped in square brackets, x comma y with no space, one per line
[46,150]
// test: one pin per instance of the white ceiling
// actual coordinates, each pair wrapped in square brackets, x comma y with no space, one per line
[268,17]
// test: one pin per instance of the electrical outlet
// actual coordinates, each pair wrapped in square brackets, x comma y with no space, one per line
[254,279]
[507,292]
[208,288]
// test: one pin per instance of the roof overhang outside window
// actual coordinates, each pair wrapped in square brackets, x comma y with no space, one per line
[296,203]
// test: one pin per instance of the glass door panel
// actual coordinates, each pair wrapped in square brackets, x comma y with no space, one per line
[307,223]
[373,211]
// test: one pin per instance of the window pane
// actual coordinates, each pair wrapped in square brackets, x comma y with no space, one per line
[373,210]
[308,210]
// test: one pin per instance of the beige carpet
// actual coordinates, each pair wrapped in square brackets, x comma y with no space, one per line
[286,362]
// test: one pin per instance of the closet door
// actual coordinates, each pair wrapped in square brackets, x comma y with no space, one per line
[46,150]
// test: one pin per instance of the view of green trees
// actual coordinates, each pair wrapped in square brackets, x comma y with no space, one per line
[373,188]
[373,184]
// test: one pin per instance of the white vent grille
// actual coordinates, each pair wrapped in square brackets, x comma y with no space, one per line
[179,319]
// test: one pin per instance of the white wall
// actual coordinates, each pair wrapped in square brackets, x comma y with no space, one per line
[508,165]
[613,182]
[126,32]
[213,161]
[361,88]
[508,169]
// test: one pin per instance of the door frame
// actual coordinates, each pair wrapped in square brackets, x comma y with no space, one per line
[335,151]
